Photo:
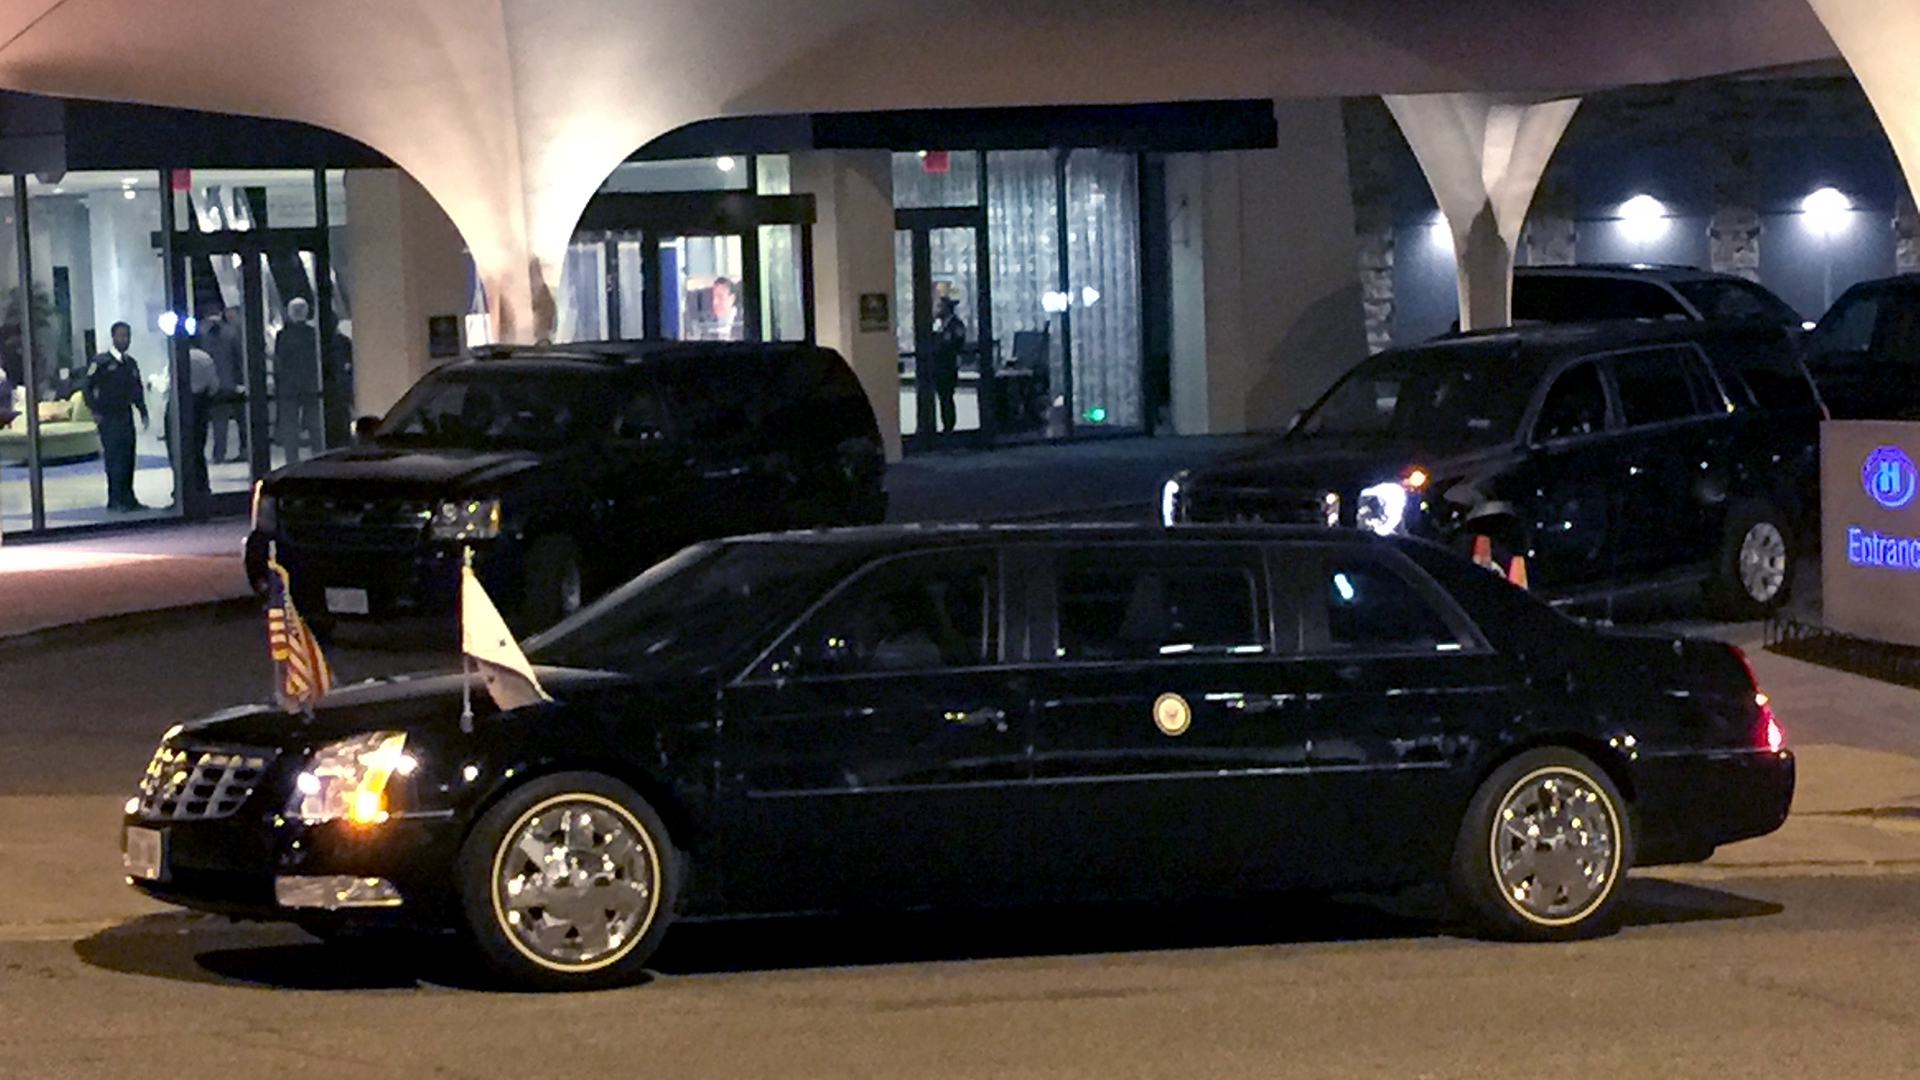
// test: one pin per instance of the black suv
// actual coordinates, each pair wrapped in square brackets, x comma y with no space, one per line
[1865,351]
[1612,456]
[568,469]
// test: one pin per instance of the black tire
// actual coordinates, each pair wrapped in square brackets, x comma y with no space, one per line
[555,583]
[1754,565]
[597,952]
[1576,893]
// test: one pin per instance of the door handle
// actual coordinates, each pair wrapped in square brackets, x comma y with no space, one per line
[980,718]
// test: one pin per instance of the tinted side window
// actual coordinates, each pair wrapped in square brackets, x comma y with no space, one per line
[1845,331]
[1576,299]
[1575,405]
[1897,334]
[919,613]
[1140,602]
[1369,606]
[1721,299]
[1654,386]
[1766,366]
[715,399]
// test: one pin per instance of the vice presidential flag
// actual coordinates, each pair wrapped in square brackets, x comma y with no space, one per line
[485,638]
[301,674]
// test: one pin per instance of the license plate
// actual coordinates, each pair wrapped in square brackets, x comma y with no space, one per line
[347,601]
[144,855]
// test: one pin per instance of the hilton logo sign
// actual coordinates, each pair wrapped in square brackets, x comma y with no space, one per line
[1870,525]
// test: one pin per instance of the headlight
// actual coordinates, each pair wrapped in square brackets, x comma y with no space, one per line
[265,514]
[1382,508]
[348,779]
[1170,491]
[466,519]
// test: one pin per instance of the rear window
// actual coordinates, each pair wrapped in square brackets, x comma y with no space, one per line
[1542,298]
[1767,369]
[1718,298]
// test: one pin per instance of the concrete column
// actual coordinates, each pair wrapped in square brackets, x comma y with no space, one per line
[1876,38]
[1483,156]
[1267,308]
[407,263]
[852,258]
[1733,241]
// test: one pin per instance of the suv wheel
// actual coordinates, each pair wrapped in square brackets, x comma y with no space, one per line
[553,589]
[1753,570]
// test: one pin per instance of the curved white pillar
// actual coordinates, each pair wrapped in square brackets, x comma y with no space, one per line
[1483,156]
[1876,37]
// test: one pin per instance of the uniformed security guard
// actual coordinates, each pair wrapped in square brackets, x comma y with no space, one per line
[114,393]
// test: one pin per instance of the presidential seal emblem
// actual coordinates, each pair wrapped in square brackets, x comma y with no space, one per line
[1171,714]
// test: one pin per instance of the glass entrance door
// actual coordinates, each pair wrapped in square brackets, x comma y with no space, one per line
[939,332]
[263,367]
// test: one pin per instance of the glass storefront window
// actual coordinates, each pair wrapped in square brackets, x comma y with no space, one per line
[1103,287]
[1023,257]
[775,172]
[94,266]
[783,312]
[936,178]
[211,200]
[702,277]
[687,174]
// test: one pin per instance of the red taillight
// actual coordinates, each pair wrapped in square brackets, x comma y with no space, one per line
[1767,729]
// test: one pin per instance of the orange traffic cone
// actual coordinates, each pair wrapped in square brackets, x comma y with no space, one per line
[1483,551]
[1517,571]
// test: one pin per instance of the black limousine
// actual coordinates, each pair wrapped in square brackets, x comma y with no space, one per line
[963,715]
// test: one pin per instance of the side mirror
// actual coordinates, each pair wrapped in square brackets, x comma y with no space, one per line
[363,429]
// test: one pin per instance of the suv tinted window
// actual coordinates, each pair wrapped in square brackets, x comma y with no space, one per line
[1766,367]
[500,405]
[1720,298]
[1848,328]
[917,613]
[1653,386]
[1369,606]
[1542,298]
[1445,398]
[1140,602]
[1575,405]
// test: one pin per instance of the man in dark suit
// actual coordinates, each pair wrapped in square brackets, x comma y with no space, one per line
[296,383]
[114,393]
[220,337]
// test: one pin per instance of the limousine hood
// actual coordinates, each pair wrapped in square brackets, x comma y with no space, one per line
[424,470]
[419,703]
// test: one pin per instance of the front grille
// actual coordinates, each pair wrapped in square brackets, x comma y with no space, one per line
[199,784]
[330,522]
[1260,505]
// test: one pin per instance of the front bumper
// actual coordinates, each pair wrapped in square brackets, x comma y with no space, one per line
[1688,804]
[267,867]
[421,578]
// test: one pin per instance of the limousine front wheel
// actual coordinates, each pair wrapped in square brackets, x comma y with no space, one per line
[1544,849]
[568,883]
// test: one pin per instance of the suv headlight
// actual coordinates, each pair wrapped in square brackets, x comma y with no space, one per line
[1172,502]
[264,512]
[348,779]
[1382,508]
[466,519]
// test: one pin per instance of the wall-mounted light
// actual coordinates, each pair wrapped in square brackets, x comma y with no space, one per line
[1089,296]
[1643,218]
[1055,302]
[1440,233]
[1826,210]
[724,164]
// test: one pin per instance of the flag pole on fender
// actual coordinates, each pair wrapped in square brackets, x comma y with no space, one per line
[466,664]
[486,641]
[301,673]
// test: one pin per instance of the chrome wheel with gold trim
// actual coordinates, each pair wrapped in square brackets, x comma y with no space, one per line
[568,883]
[1544,847]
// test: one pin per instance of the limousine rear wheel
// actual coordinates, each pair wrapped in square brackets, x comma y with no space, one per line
[568,883]
[1544,849]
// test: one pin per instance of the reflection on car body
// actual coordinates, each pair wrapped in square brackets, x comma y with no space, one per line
[945,716]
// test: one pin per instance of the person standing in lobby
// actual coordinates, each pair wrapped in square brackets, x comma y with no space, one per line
[220,337]
[296,382]
[114,393]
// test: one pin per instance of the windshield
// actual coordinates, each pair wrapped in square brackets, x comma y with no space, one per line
[500,406]
[691,611]
[1442,399]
